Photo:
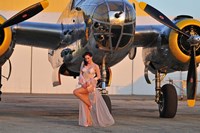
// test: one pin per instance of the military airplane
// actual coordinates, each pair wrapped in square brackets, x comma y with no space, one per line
[108,29]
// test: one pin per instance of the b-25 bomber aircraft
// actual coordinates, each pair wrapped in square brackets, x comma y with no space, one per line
[108,29]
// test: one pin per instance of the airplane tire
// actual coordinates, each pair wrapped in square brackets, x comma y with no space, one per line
[168,105]
[108,102]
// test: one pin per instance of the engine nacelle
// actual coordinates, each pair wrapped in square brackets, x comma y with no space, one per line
[178,44]
[6,43]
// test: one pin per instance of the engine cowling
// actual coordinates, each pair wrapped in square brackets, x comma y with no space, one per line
[6,43]
[178,43]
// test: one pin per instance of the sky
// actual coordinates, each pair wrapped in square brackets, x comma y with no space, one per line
[168,7]
[176,7]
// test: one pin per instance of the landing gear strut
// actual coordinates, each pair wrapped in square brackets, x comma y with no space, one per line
[166,98]
[104,92]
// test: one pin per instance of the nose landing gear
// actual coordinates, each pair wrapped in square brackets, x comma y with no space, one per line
[103,90]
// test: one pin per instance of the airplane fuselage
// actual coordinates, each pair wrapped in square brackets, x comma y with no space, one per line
[110,28]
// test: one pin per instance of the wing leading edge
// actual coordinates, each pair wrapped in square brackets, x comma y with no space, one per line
[50,36]
[146,35]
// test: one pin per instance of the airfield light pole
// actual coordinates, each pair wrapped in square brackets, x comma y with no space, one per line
[31,71]
[132,77]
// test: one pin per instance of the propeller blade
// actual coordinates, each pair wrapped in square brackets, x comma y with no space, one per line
[192,78]
[25,14]
[160,17]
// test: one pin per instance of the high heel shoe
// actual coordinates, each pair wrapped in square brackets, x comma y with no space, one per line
[90,124]
[86,125]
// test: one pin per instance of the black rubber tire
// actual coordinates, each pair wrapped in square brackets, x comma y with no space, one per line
[108,102]
[169,102]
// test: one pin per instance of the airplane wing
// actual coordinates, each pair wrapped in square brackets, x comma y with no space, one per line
[50,36]
[146,35]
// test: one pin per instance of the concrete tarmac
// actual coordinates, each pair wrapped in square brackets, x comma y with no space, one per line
[25,113]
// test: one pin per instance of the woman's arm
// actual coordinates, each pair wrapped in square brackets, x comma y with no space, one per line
[98,74]
[81,78]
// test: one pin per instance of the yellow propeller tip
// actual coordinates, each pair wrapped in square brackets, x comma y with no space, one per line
[142,5]
[44,4]
[191,103]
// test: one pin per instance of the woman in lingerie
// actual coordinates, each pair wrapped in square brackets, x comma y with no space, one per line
[93,110]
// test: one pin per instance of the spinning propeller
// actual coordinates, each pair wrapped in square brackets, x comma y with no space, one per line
[193,40]
[25,14]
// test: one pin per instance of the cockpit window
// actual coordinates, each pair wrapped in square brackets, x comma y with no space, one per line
[88,9]
[101,13]
[113,24]
[117,30]
[117,6]
[128,28]
[129,14]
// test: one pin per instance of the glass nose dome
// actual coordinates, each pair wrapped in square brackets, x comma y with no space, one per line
[113,24]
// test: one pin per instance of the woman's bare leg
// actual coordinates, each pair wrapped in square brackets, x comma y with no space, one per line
[83,95]
[88,115]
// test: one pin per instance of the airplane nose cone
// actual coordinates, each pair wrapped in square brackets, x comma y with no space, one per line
[194,40]
[113,24]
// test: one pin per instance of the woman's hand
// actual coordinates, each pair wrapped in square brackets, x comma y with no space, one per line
[81,80]
[85,85]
